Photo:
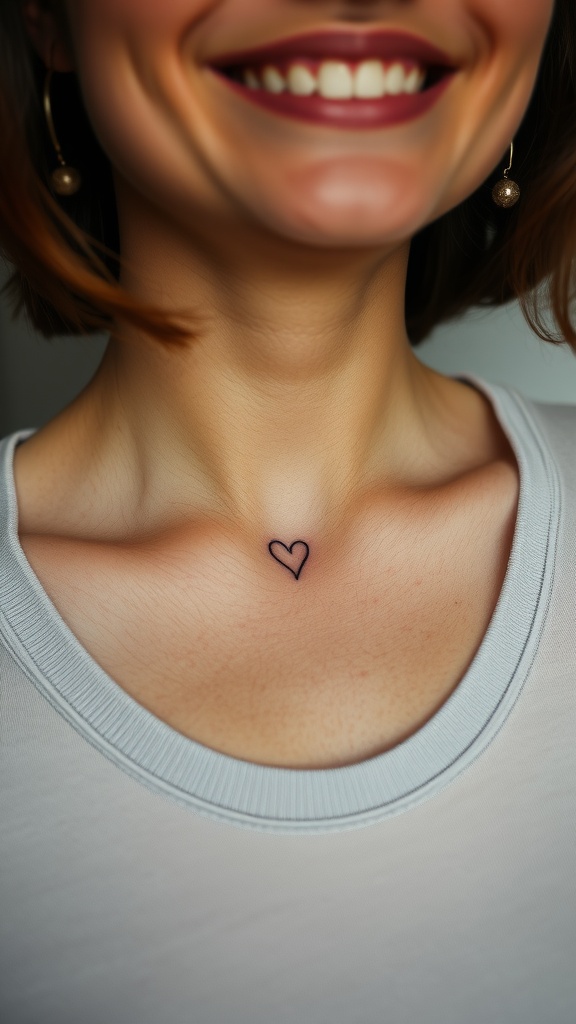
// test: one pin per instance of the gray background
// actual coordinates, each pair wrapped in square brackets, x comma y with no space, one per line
[39,377]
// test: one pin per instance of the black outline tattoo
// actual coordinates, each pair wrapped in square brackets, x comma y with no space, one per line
[289,549]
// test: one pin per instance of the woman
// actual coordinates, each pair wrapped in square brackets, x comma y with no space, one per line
[287,616]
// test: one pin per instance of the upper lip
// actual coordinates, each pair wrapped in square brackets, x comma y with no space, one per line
[354,46]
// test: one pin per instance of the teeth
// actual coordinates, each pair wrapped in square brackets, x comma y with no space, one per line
[370,80]
[300,81]
[251,80]
[273,81]
[336,80]
[414,81]
[395,79]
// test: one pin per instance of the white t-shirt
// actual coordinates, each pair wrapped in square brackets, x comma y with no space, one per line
[147,879]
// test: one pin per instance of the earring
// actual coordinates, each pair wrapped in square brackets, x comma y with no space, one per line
[506,192]
[65,181]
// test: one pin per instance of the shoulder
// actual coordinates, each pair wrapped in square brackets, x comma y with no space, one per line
[562,412]
[557,425]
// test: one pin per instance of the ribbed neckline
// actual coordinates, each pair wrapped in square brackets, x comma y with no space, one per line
[288,800]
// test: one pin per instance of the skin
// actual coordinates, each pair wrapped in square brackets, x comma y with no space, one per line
[299,410]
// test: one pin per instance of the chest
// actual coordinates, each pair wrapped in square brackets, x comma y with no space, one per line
[331,669]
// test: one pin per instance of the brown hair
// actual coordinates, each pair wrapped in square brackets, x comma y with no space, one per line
[66,252]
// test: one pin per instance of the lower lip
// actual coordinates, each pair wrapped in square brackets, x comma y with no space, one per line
[377,113]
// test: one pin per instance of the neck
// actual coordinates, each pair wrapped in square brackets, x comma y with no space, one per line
[298,392]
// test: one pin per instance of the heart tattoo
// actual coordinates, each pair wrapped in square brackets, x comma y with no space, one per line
[289,557]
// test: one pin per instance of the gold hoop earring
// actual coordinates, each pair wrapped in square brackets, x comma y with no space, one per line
[506,192]
[65,180]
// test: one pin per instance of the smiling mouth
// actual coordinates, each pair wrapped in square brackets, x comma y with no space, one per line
[341,78]
[337,80]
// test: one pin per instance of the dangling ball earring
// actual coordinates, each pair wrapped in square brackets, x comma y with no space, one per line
[65,181]
[506,192]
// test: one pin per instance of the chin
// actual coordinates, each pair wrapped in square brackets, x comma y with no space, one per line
[352,226]
[352,210]
[343,237]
